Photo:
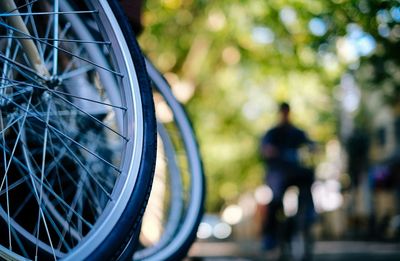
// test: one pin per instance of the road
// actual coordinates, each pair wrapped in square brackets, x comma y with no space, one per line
[323,251]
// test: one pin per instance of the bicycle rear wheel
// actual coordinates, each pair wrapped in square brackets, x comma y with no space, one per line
[78,130]
[176,203]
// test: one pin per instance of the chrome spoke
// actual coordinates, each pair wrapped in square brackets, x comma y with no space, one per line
[65,136]
[24,68]
[76,72]
[5,65]
[56,40]
[13,185]
[40,215]
[7,186]
[55,35]
[22,6]
[56,131]
[44,152]
[9,126]
[91,116]
[84,167]
[35,30]
[15,83]
[62,50]
[35,179]
[46,13]
[15,147]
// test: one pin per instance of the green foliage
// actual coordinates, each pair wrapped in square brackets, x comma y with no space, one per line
[241,57]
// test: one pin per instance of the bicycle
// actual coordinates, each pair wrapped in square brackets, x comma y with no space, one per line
[78,132]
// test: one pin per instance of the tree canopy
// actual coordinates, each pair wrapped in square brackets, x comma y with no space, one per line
[230,62]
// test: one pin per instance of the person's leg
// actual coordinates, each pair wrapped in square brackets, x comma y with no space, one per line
[276,182]
[305,180]
[300,228]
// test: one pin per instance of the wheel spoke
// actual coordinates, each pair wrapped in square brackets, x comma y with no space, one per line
[5,65]
[10,14]
[61,49]
[91,116]
[36,116]
[3,130]
[83,166]
[21,66]
[35,30]
[57,132]
[22,6]
[76,72]
[37,197]
[14,185]
[15,147]
[55,35]
[35,179]
[16,84]
[7,186]
[44,153]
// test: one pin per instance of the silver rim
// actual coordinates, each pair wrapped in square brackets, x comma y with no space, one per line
[71,142]
[165,209]
[184,164]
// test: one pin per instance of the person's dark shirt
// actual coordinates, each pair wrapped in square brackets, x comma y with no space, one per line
[286,139]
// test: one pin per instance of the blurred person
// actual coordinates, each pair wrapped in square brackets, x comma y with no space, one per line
[280,151]
[394,181]
[357,147]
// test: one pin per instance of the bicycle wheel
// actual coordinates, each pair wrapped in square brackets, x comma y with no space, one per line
[78,130]
[176,203]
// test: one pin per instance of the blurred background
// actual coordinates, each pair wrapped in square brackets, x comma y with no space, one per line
[336,62]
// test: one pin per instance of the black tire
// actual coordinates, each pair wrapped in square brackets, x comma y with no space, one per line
[129,225]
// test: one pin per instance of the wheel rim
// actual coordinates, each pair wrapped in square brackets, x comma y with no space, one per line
[184,165]
[70,143]
[164,212]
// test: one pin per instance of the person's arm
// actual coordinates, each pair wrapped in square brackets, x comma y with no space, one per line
[312,146]
[269,151]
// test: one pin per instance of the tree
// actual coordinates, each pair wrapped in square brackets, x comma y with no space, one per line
[231,61]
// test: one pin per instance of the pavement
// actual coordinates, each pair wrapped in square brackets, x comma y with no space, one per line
[323,251]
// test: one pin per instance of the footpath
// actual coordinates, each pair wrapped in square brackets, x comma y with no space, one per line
[323,251]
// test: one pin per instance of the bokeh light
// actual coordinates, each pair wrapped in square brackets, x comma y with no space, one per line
[232,214]
[317,26]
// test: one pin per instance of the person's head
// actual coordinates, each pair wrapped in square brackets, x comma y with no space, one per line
[284,111]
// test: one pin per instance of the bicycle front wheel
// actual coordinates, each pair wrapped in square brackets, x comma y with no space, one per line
[77,130]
